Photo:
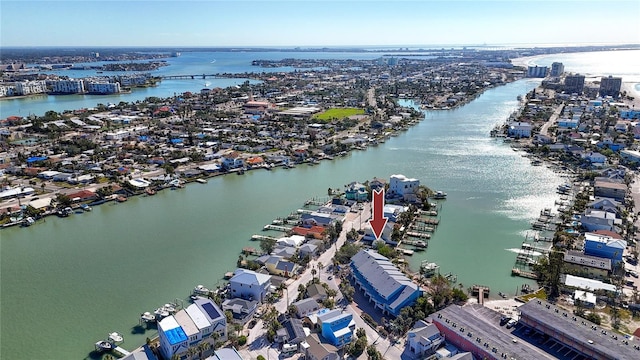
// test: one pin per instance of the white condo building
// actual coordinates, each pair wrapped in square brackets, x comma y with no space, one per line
[30,87]
[68,86]
[103,88]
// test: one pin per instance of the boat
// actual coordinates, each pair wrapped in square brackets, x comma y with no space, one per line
[147,317]
[116,337]
[121,198]
[27,222]
[104,345]
[161,313]
[201,181]
[502,295]
[440,195]
[149,191]
[201,290]
[85,207]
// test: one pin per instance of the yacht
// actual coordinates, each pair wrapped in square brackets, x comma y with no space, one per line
[116,337]
[104,345]
[440,195]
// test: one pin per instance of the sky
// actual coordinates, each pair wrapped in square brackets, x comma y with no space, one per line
[239,23]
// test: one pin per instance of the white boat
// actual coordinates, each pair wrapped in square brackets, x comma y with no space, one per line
[201,290]
[148,317]
[440,195]
[161,313]
[201,181]
[116,337]
[104,345]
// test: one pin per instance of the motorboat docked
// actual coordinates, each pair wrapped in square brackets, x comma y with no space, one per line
[201,181]
[28,221]
[201,290]
[440,195]
[104,345]
[149,191]
[147,317]
[502,295]
[85,207]
[116,337]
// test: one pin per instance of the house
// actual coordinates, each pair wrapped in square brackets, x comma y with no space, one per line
[314,349]
[276,265]
[519,129]
[336,327]
[316,219]
[382,283]
[593,220]
[604,246]
[241,309]
[250,285]
[308,250]
[424,338]
[188,327]
[82,195]
[232,161]
[356,191]
[594,158]
[306,307]
[317,232]
[593,267]
[631,156]
[292,331]
[614,190]
[401,185]
[317,292]
[587,299]
[605,204]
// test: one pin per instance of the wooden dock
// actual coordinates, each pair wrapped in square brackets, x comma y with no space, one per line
[481,291]
[262,237]
[121,351]
[419,235]
[276,227]
[524,273]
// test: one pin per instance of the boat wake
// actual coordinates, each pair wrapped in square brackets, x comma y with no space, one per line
[524,252]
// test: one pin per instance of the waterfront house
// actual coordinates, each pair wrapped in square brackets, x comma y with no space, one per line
[593,220]
[276,265]
[336,327]
[232,161]
[308,250]
[604,246]
[614,190]
[593,267]
[605,204]
[250,285]
[519,129]
[284,251]
[595,158]
[356,191]
[316,219]
[241,309]
[424,338]
[188,327]
[382,283]
[399,185]
[314,349]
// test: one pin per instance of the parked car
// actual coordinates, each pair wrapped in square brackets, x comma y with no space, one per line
[511,323]
[504,319]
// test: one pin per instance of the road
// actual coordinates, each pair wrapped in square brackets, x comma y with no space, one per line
[258,344]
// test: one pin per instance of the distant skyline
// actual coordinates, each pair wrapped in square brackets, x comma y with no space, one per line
[224,23]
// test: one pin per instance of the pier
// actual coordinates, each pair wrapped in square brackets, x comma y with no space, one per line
[418,235]
[262,237]
[276,227]
[481,291]
[524,273]
[121,351]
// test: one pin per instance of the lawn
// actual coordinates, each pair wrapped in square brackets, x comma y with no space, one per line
[338,113]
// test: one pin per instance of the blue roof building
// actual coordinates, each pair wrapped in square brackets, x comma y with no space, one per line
[604,246]
[383,284]
[336,327]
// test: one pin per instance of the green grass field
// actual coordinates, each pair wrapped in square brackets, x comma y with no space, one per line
[338,113]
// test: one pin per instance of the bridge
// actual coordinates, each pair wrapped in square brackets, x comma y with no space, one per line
[191,77]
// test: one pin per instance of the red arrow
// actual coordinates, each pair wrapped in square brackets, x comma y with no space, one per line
[379,221]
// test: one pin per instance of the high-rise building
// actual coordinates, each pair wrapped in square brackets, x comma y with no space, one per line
[557,69]
[574,84]
[610,86]
[537,71]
